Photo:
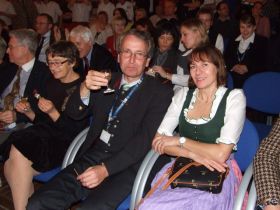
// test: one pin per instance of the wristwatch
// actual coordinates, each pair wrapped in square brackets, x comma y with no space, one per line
[182,140]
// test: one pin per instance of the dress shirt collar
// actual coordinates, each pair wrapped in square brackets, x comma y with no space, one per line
[28,66]
[244,44]
[187,52]
[123,81]
[47,35]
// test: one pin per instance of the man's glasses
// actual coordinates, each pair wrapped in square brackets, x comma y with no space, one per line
[56,63]
[137,55]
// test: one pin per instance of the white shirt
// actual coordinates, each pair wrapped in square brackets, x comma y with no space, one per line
[80,12]
[220,43]
[7,7]
[128,8]
[108,8]
[233,120]
[42,56]
[244,44]
[52,8]
[180,79]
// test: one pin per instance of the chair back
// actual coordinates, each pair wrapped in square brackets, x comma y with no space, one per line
[247,146]
[229,81]
[262,92]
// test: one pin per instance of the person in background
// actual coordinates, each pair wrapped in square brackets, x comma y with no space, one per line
[23,78]
[120,12]
[108,7]
[205,15]
[140,13]
[166,53]
[101,29]
[116,142]
[92,55]
[169,10]
[210,119]
[43,26]
[7,12]
[51,8]
[155,18]
[266,170]
[193,34]
[26,13]
[128,8]
[80,10]
[224,24]
[51,132]
[246,55]
[262,22]
[113,42]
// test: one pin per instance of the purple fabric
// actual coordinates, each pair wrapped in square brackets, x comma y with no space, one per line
[191,199]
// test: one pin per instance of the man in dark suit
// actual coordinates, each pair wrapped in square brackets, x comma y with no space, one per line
[32,74]
[123,126]
[43,26]
[93,56]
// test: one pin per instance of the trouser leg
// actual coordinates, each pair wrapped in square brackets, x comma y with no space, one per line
[109,194]
[60,192]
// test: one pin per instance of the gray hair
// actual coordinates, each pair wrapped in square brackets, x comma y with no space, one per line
[3,47]
[82,31]
[144,36]
[26,37]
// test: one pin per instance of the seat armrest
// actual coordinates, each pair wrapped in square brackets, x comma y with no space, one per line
[141,178]
[74,148]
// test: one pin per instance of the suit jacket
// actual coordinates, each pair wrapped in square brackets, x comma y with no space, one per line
[37,81]
[267,168]
[101,58]
[255,59]
[133,129]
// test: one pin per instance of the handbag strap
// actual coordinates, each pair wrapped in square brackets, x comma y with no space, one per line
[178,173]
[156,185]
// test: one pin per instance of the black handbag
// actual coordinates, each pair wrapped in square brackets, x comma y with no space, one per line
[187,173]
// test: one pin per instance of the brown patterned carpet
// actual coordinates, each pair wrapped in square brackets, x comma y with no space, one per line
[6,202]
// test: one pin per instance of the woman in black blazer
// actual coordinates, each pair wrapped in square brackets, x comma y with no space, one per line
[166,54]
[246,55]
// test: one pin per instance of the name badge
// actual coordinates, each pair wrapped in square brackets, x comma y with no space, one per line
[105,136]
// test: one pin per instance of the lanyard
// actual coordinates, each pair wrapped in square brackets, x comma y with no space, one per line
[113,114]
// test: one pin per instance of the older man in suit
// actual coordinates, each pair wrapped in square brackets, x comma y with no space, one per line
[123,126]
[93,56]
[23,78]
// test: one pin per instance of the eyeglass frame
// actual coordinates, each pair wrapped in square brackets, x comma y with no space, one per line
[134,54]
[56,63]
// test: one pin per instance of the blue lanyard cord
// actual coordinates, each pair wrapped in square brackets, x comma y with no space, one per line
[113,114]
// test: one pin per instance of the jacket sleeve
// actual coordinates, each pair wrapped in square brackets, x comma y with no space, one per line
[267,167]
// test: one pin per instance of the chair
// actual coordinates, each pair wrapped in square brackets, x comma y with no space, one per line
[247,147]
[262,94]
[229,81]
[243,188]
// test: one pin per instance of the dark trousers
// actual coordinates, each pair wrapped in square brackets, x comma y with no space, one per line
[64,189]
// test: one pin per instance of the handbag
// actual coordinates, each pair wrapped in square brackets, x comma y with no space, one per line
[187,173]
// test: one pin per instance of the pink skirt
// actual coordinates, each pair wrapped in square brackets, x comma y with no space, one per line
[192,199]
